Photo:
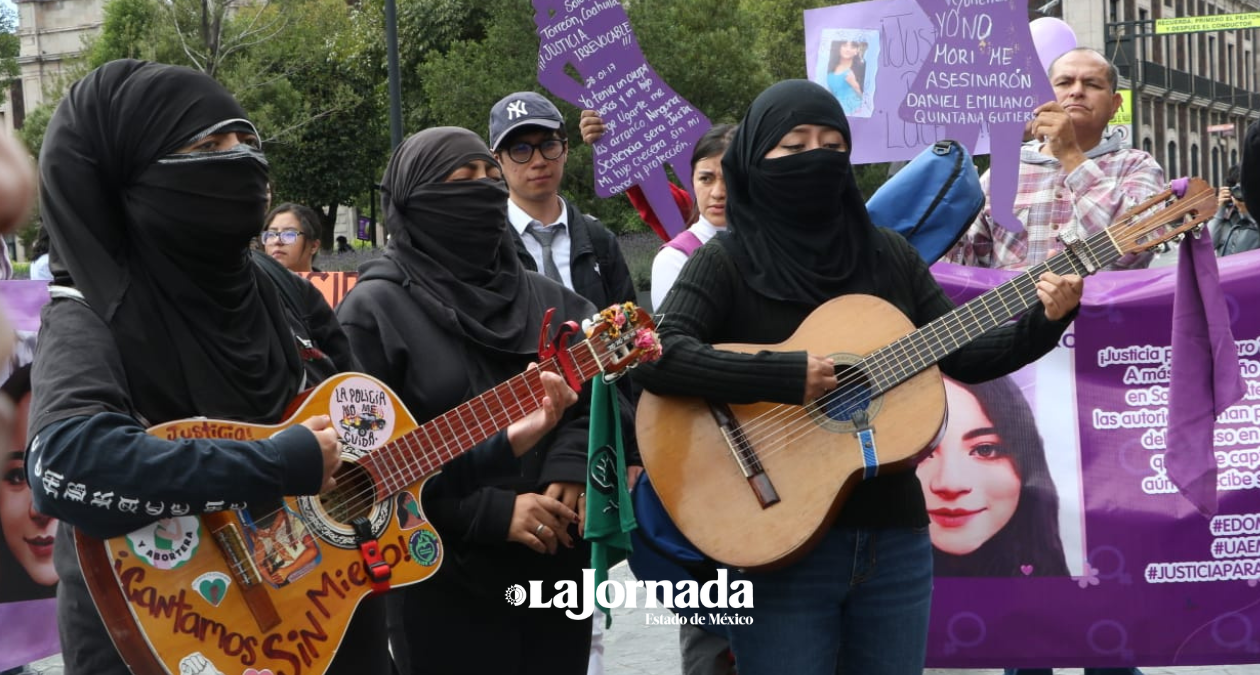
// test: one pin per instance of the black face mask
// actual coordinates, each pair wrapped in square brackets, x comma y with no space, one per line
[460,224]
[218,199]
[806,187]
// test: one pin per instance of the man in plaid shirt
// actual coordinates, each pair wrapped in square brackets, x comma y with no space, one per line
[1073,174]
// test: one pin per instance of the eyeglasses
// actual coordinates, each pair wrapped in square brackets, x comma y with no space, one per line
[1236,191]
[551,148]
[285,236]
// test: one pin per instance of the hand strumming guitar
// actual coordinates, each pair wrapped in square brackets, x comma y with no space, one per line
[329,446]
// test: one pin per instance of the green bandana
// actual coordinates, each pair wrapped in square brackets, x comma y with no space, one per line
[609,513]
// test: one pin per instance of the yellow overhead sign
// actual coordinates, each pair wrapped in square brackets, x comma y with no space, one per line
[1197,24]
[1124,114]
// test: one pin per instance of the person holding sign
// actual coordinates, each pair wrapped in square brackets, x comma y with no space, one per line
[799,235]
[1074,173]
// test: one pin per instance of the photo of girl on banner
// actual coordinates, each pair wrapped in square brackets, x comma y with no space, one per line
[847,61]
[26,562]
[990,495]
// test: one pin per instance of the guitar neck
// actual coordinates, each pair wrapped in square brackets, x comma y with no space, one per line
[425,449]
[923,348]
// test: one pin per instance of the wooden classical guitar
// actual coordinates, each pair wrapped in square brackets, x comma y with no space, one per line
[754,486]
[270,590]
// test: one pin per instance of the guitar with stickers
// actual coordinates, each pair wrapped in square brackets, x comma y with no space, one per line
[271,589]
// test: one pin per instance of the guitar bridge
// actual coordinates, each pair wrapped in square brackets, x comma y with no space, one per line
[253,590]
[745,455]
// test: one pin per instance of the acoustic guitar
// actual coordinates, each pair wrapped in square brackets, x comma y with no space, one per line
[272,589]
[755,486]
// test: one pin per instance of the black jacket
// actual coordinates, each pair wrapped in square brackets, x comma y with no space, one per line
[598,269]
[1234,233]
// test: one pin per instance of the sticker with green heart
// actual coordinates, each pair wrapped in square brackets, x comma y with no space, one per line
[212,586]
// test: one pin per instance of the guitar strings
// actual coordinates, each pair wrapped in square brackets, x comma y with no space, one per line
[405,456]
[782,431]
[586,360]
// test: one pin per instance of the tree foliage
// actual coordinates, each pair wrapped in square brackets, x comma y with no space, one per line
[9,44]
[312,75]
[297,68]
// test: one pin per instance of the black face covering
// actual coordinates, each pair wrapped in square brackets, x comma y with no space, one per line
[215,198]
[450,241]
[471,215]
[158,242]
[815,173]
[799,230]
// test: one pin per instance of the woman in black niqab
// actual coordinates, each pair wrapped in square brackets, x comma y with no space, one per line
[799,229]
[449,240]
[444,316]
[157,242]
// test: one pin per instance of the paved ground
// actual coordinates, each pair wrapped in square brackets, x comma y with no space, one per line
[633,648]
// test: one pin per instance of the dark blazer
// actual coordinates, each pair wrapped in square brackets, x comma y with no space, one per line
[598,269]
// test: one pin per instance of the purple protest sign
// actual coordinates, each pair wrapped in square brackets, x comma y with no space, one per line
[899,39]
[647,124]
[983,71]
[27,578]
[1153,582]
[965,70]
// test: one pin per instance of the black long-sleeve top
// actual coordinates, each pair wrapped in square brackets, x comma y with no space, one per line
[711,304]
[94,466]
[433,368]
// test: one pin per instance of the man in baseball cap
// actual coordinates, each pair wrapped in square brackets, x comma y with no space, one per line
[528,138]
[529,141]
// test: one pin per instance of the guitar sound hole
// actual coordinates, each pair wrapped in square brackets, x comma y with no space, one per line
[354,495]
[852,394]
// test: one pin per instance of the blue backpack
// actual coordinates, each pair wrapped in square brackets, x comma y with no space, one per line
[932,200]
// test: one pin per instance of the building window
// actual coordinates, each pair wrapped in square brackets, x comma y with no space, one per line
[1216,166]
[1229,66]
[1194,160]
[1212,59]
[1172,159]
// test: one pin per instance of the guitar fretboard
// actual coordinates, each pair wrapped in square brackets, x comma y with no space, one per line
[414,455]
[899,361]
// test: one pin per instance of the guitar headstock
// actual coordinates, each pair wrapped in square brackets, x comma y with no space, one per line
[1164,216]
[622,336]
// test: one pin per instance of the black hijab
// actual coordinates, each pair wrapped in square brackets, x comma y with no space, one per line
[450,243]
[158,243]
[799,230]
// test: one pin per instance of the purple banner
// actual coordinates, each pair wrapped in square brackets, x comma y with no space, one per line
[1148,581]
[28,582]
[648,125]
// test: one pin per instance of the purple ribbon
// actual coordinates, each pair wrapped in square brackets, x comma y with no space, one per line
[1206,376]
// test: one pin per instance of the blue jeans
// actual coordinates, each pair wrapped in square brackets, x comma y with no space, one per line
[857,603]
[1088,671]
